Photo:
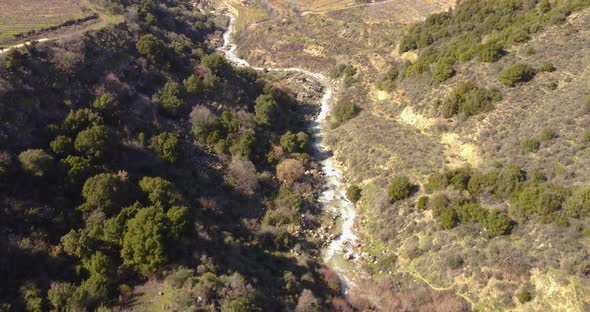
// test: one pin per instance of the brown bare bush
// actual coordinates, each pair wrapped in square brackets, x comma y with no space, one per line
[307,302]
[290,170]
[330,278]
[242,175]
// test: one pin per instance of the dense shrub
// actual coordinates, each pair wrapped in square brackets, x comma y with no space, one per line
[501,24]
[544,199]
[104,191]
[497,223]
[388,80]
[94,142]
[266,108]
[578,204]
[151,47]
[399,188]
[458,178]
[531,145]
[160,192]
[144,243]
[216,63]
[353,193]
[170,98]
[442,71]
[517,73]
[438,203]
[344,111]
[422,203]
[294,142]
[343,70]
[78,120]
[506,180]
[471,212]
[547,67]
[490,52]
[448,218]
[469,100]
[167,146]
[193,85]
[106,104]
[62,145]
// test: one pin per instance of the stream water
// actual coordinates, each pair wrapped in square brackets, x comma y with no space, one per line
[340,250]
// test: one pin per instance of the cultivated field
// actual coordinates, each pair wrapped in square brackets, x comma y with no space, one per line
[21,16]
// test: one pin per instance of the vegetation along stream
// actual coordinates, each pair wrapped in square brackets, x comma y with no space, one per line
[333,194]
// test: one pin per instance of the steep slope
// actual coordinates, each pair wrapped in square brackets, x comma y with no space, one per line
[139,170]
[496,153]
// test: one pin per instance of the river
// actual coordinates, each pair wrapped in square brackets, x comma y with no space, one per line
[339,251]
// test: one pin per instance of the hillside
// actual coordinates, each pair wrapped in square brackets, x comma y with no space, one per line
[140,171]
[485,110]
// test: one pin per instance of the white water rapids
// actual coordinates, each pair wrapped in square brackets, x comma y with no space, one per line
[333,194]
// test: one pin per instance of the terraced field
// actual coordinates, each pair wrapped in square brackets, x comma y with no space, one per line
[20,16]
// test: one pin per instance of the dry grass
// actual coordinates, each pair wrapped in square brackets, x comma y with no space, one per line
[22,16]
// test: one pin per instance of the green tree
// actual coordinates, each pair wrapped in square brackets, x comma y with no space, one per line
[32,297]
[160,191]
[400,188]
[167,146]
[78,120]
[59,295]
[78,244]
[151,47]
[77,168]
[179,221]
[102,270]
[94,142]
[107,104]
[244,146]
[36,162]
[266,109]
[105,191]
[216,63]
[170,98]
[62,145]
[144,242]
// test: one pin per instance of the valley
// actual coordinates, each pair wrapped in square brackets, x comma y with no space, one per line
[273,155]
